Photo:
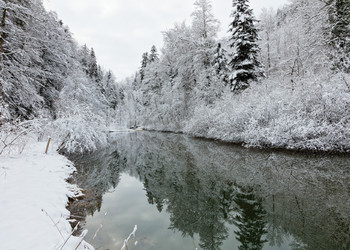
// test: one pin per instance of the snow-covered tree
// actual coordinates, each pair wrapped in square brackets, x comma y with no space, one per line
[153,56]
[92,65]
[340,33]
[244,52]
[221,64]
[144,63]
[267,26]
[44,74]
[204,24]
[204,31]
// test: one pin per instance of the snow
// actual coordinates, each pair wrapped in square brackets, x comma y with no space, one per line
[33,197]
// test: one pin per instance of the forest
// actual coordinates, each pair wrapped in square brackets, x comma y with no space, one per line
[281,80]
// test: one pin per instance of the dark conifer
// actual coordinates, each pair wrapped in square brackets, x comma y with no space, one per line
[243,61]
[144,64]
[153,57]
[221,64]
[93,68]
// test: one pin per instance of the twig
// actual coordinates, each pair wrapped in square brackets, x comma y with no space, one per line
[83,234]
[346,83]
[6,145]
[55,224]
[63,142]
[65,242]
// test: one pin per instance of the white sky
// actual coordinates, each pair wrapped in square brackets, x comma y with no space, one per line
[121,30]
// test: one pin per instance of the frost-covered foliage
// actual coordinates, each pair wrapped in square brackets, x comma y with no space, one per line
[244,52]
[312,115]
[15,136]
[45,74]
[301,104]
[340,33]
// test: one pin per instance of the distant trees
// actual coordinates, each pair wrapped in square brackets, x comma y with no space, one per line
[144,63]
[153,56]
[188,88]
[244,62]
[194,68]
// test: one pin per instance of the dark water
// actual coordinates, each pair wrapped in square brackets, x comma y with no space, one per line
[185,193]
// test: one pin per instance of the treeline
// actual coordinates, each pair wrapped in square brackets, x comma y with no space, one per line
[282,81]
[50,80]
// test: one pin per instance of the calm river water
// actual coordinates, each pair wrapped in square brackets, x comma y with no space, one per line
[186,193]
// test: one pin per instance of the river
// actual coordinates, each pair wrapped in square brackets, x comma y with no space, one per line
[187,193]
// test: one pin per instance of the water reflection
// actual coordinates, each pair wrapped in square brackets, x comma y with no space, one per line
[225,196]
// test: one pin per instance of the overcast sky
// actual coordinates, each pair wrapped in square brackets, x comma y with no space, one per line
[121,30]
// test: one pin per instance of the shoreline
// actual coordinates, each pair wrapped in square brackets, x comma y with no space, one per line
[252,147]
[34,196]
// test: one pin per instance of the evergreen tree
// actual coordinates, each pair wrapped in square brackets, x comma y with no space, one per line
[220,64]
[84,58]
[340,33]
[153,57]
[93,68]
[144,64]
[243,42]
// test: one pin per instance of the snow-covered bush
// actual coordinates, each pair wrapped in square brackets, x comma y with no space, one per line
[81,116]
[78,133]
[313,115]
[15,136]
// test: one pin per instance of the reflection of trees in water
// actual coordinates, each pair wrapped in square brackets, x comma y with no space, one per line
[250,220]
[96,174]
[191,201]
[199,202]
[205,186]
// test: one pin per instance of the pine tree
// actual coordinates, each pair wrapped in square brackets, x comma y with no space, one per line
[144,64]
[153,57]
[243,42]
[340,33]
[93,68]
[220,64]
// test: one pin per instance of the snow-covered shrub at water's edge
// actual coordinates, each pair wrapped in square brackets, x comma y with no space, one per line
[313,114]
[81,116]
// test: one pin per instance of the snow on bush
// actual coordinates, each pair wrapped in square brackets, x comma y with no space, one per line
[314,114]
[15,136]
[81,118]
[78,134]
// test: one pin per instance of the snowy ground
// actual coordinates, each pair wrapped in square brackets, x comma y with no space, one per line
[33,199]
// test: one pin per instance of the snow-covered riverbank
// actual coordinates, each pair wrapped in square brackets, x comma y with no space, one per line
[33,197]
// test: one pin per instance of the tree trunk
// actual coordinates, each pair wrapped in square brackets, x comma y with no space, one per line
[2,41]
[2,37]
